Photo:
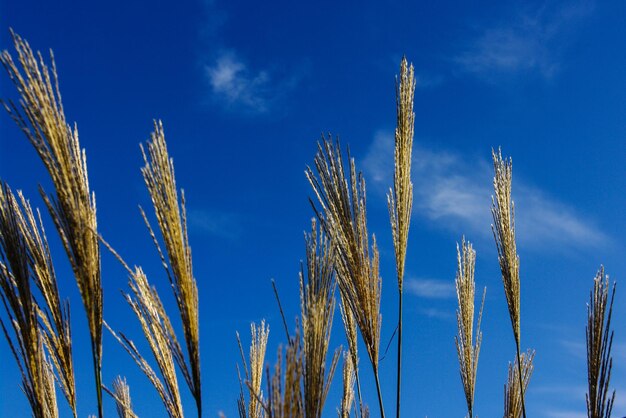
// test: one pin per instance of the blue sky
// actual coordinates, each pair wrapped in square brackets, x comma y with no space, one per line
[245,90]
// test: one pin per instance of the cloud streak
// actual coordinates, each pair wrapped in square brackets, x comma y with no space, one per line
[214,223]
[238,87]
[430,288]
[454,192]
[530,42]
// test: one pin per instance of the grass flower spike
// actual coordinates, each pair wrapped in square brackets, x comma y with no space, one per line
[599,344]
[468,347]
[158,174]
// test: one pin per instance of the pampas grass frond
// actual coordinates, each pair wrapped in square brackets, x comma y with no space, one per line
[347,397]
[400,198]
[171,215]
[73,208]
[254,374]
[343,217]
[468,347]
[156,326]
[121,394]
[599,344]
[317,303]
[513,406]
[503,212]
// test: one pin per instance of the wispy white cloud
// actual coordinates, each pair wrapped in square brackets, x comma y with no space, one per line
[215,223]
[430,288]
[237,86]
[531,41]
[436,313]
[455,191]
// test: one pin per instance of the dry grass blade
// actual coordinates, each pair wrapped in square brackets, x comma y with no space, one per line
[400,198]
[317,303]
[468,348]
[503,212]
[347,397]
[147,306]
[22,310]
[158,174]
[343,217]
[512,390]
[121,394]
[254,374]
[73,209]
[599,343]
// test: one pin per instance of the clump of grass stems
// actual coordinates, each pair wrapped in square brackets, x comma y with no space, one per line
[157,328]
[317,304]
[400,198]
[254,374]
[24,238]
[158,174]
[73,207]
[467,347]
[503,212]
[599,344]
[519,374]
[284,383]
[22,310]
[343,217]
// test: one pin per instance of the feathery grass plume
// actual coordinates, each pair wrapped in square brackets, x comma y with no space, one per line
[73,208]
[503,212]
[349,326]
[254,374]
[158,174]
[284,384]
[467,347]
[22,311]
[343,217]
[157,329]
[52,409]
[347,397]
[54,316]
[400,198]
[317,305]
[121,394]
[512,393]
[599,343]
